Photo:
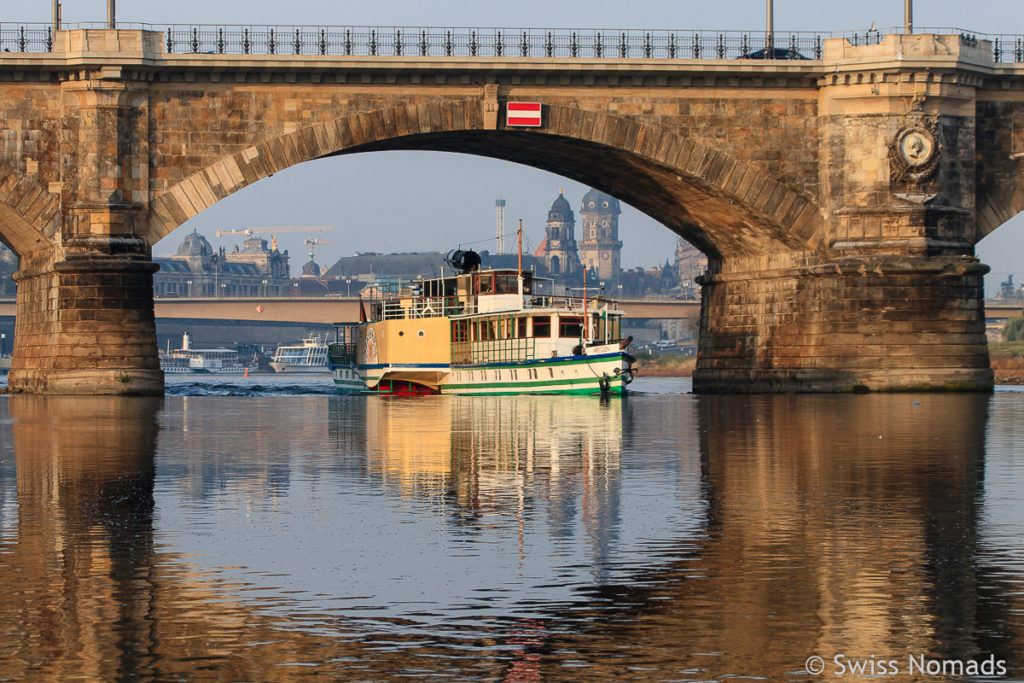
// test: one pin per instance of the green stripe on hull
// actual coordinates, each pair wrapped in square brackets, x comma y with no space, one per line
[591,391]
[558,386]
[349,387]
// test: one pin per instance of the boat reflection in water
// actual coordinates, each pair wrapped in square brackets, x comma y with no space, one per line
[509,537]
[483,447]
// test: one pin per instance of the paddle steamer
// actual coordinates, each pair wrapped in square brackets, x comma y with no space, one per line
[482,332]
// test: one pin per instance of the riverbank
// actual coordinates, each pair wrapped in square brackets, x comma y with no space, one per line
[1006,359]
[667,366]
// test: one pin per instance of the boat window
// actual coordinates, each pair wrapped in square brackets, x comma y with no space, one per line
[487,330]
[507,284]
[521,328]
[460,330]
[570,328]
[485,283]
[542,326]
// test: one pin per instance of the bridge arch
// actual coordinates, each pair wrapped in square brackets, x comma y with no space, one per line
[723,206]
[29,214]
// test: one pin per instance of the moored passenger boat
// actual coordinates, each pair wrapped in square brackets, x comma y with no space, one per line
[309,355]
[190,361]
[488,332]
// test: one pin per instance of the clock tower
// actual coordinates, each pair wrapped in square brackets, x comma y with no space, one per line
[600,248]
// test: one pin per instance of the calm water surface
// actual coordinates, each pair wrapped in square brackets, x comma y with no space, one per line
[266,530]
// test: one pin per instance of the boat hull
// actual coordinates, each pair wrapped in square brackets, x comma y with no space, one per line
[607,373]
[291,369]
[603,374]
[347,381]
[177,370]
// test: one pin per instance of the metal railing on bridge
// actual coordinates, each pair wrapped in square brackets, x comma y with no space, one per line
[561,43]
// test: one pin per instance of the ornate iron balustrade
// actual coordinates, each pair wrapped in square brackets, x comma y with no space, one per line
[491,43]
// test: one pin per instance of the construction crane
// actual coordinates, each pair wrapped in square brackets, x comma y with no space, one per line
[311,245]
[273,231]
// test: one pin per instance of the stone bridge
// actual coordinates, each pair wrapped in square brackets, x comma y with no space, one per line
[838,199]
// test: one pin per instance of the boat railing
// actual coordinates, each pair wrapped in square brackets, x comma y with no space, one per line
[572,303]
[424,307]
[339,353]
[440,306]
[493,351]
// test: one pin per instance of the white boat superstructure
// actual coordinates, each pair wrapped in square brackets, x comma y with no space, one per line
[218,361]
[309,355]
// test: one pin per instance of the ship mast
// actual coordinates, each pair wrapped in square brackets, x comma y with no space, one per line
[586,316]
[519,267]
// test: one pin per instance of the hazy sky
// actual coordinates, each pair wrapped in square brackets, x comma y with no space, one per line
[409,201]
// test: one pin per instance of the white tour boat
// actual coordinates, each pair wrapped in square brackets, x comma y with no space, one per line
[310,355]
[218,361]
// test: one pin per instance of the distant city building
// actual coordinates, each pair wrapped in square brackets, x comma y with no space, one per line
[1007,290]
[600,248]
[197,270]
[8,265]
[369,266]
[690,263]
[658,281]
[561,257]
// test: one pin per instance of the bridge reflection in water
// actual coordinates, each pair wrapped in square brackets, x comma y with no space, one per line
[508,537]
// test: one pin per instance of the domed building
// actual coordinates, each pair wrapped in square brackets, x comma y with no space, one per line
[199,270]
[600,248]
[560,255]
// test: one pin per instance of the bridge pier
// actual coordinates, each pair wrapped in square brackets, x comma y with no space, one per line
[855,324]
[85,323]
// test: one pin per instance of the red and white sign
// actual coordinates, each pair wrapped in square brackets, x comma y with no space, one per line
[520,114]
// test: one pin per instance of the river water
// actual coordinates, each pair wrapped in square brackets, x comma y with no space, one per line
[263,529]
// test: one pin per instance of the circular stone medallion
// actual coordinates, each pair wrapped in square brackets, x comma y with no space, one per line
[916,146]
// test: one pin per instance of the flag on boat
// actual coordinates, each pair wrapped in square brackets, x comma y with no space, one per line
[362,311]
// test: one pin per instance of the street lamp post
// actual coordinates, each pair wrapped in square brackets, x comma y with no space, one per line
[3,343]
[264,288]
[189,291]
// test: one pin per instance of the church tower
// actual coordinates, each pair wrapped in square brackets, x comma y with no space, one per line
[560,254]
[600,248]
